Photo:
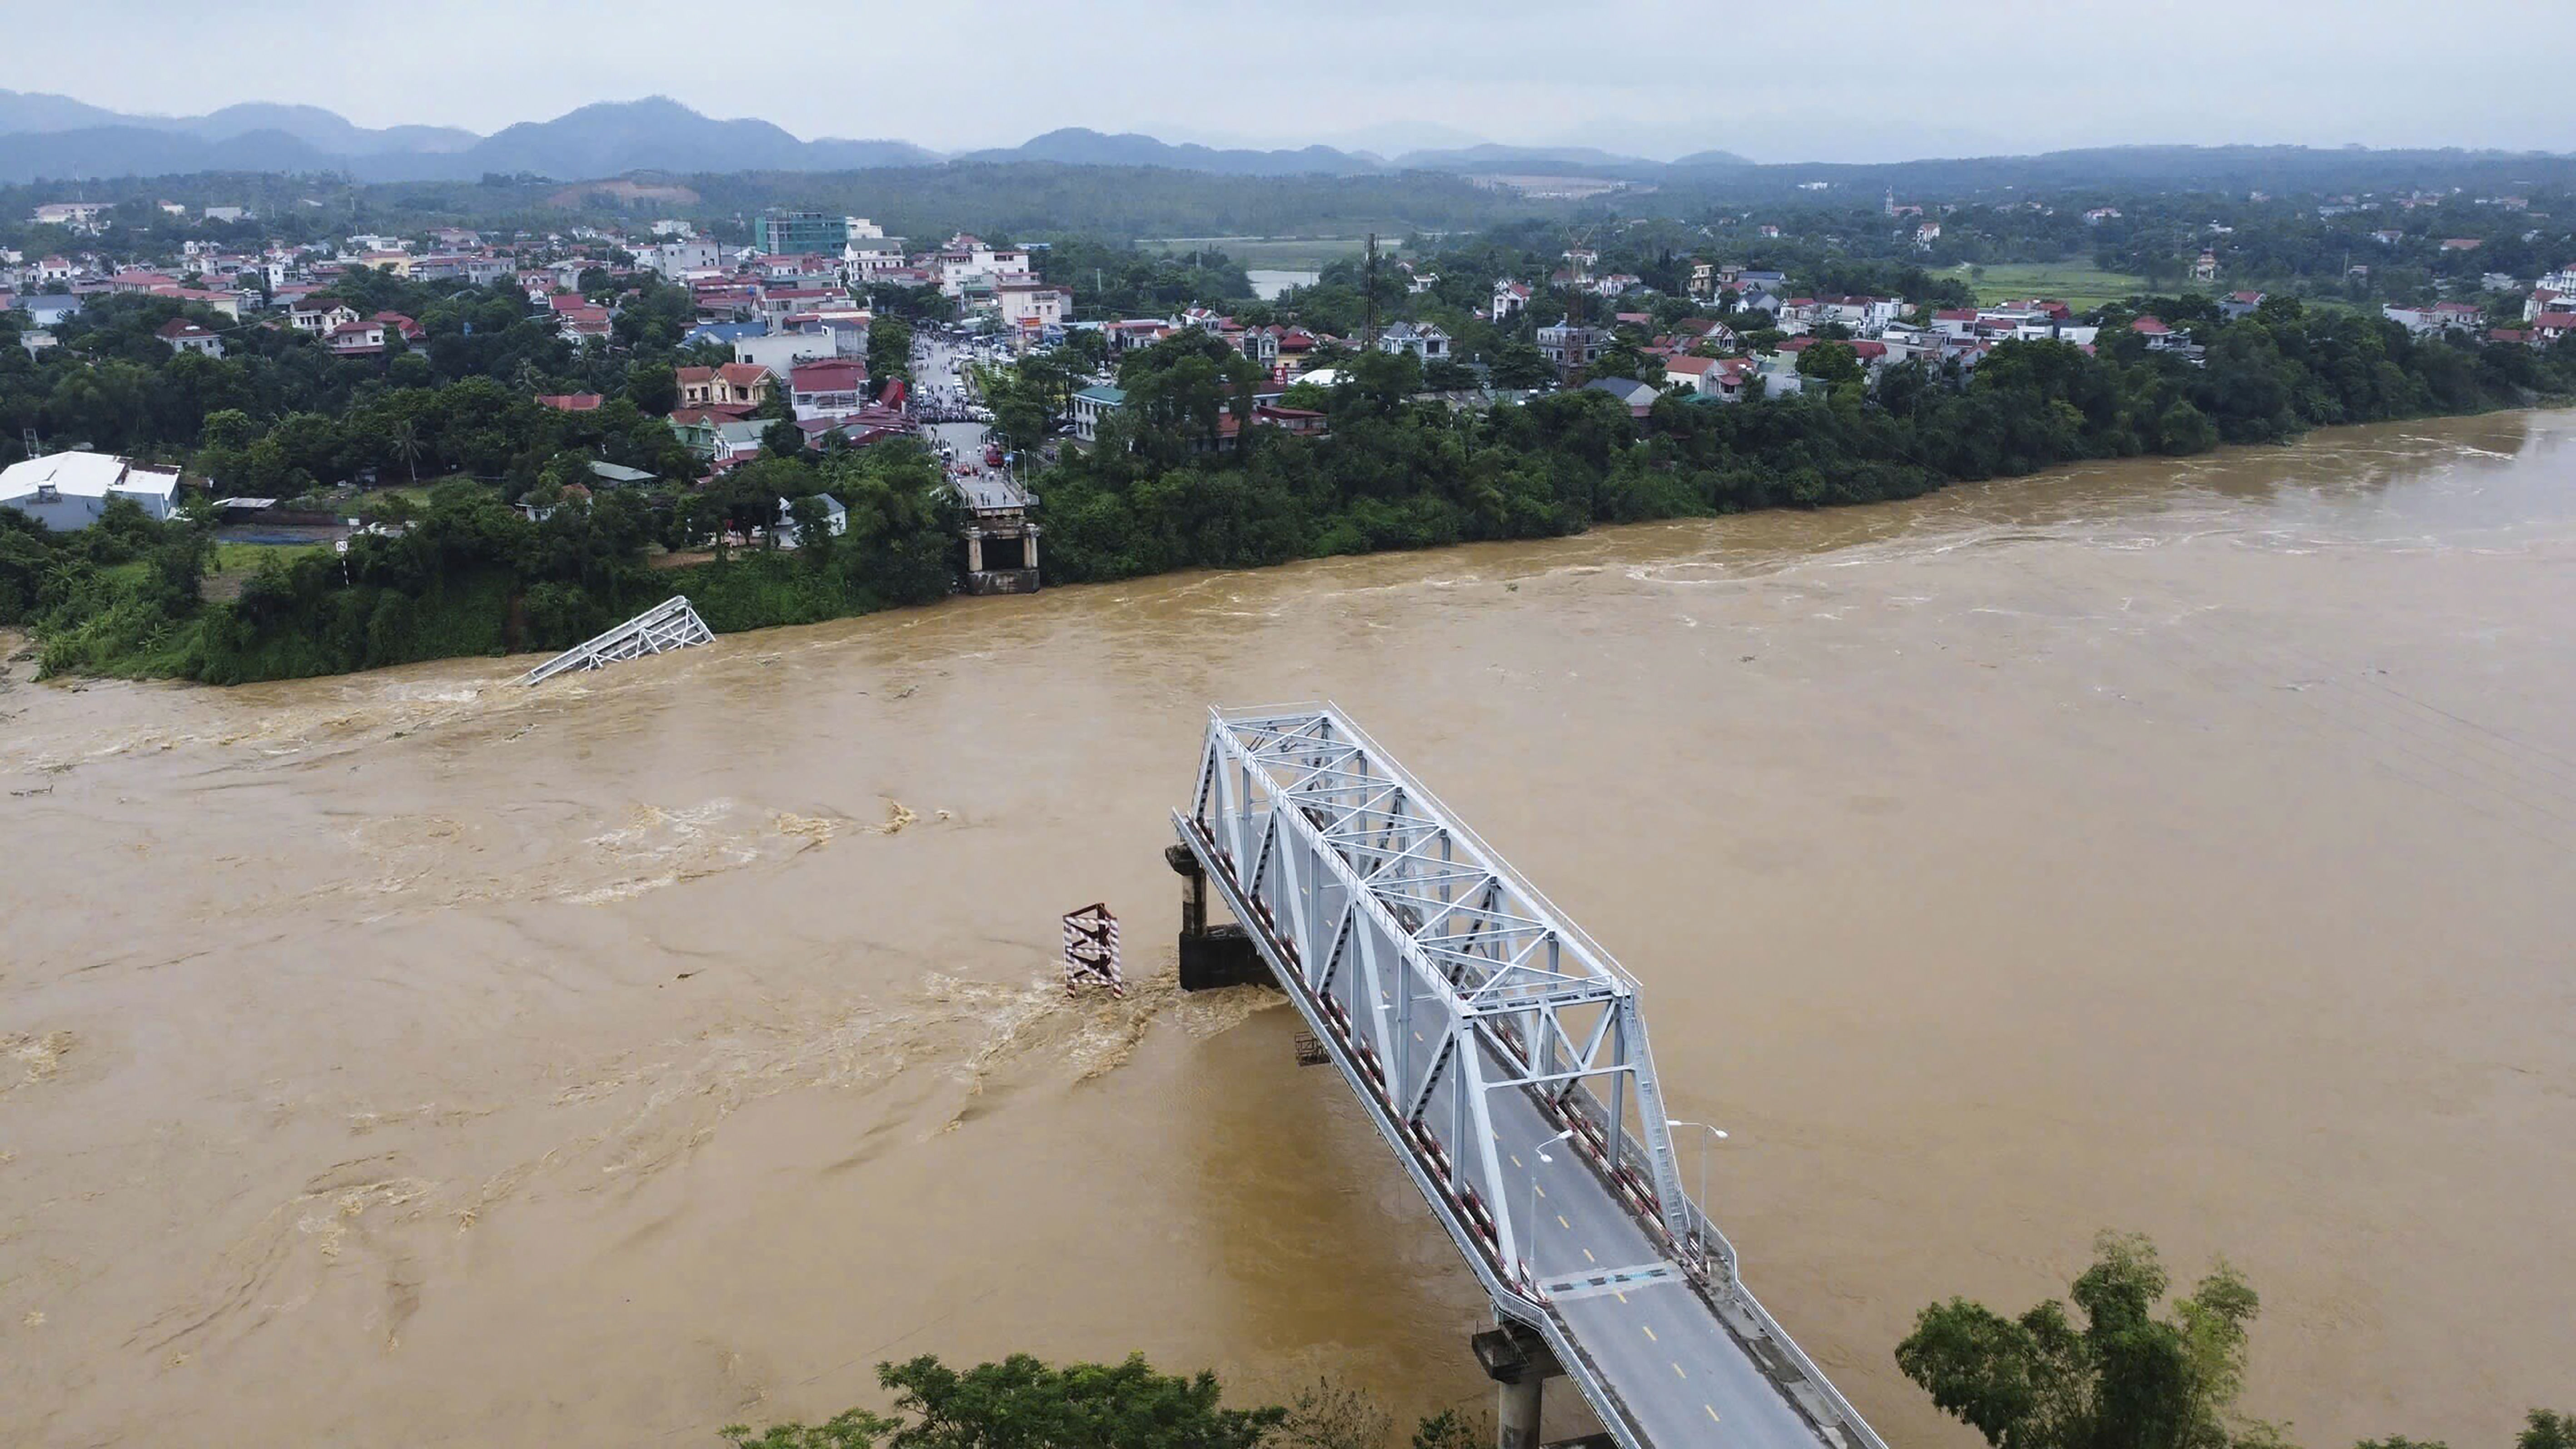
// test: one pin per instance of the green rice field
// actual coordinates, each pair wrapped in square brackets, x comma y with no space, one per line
[2080,285]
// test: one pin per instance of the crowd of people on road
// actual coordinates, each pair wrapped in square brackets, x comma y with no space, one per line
[944,408]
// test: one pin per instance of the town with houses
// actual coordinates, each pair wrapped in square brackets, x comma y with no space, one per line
[783,325]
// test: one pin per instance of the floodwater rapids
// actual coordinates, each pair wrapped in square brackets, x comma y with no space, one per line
[2186,847]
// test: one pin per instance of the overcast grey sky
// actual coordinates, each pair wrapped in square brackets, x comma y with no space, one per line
[1807,80]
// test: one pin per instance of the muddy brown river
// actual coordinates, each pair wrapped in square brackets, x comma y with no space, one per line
[2181,847]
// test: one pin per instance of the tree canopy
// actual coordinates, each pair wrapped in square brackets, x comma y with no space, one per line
[2120,1378]
[1024,1403]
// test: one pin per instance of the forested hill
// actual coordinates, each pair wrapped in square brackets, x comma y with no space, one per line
[2285,169]
[60,139]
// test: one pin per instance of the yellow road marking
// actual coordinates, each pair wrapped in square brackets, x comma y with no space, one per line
[1650,1333]
[1534,1187]
[1587,1256]
[1712,1415]
[1516,1161]
[1615,1293]
[1562,1223]
[1677,1370]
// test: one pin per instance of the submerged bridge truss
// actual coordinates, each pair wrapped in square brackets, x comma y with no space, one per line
[670,624]
[1501,1052]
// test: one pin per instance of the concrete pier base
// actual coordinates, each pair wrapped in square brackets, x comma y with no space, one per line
[1519,1362]
[1516,1415]
[1211,956]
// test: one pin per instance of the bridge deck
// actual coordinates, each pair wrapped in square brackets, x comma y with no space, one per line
[1522,1033]
[1659,1345]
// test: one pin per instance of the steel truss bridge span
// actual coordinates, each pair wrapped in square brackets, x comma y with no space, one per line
[1501,1052]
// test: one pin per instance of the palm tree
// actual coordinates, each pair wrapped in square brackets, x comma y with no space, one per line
[404,441]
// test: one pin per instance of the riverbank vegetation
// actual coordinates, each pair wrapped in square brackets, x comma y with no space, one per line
[1022,1403]
[1181,479]
[492,529]
[469,574]
[2106,1370]
[2114,1374]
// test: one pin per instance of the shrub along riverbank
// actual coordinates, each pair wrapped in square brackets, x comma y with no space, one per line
[471,575]
[1168,488]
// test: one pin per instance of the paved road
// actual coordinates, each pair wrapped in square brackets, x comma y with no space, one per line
[1684,1378]
[936,369]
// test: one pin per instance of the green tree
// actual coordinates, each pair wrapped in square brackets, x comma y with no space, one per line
[2548,1429]
[851,1429]
[1331,1416]
[814,538]
[1832,363]
[654,387]
[1449,1429]
[403,442]
[2124,1379]
[1521,364]
[1625,358]
[889,349]
[1021,1403]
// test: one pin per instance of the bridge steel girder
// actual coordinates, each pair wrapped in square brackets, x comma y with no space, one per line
[671,624]
[1434,975]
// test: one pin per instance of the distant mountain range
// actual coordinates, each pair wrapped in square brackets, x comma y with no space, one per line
[59,138]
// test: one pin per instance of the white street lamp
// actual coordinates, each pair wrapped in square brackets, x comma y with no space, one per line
[1714,1133]
[1540,1151]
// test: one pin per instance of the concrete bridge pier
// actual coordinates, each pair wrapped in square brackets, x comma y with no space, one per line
[1519,1362]
[1211,956]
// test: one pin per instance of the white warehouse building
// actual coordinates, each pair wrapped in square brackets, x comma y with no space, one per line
[67,491]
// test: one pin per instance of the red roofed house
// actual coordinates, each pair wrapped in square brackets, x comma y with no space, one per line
[1134,333]
[1302,422]
[319,314]
[228,303]
[1695,373]
[1722,378]
[827,391]
[582,324]
[733,385]
[356,339]
[187,336]
[401,326]
[570,402]
[2161,338]
[2552,327]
